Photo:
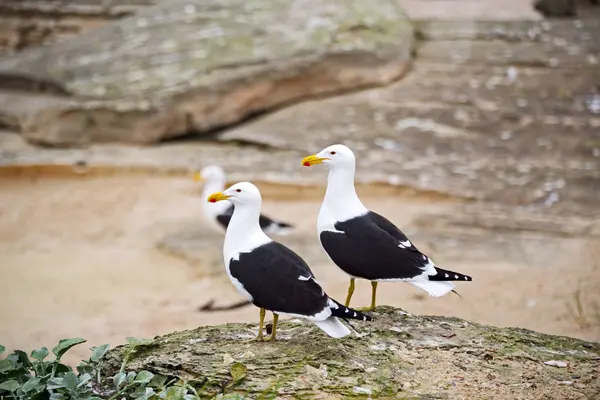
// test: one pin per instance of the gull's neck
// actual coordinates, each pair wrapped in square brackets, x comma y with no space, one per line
[243,232]
[341,201]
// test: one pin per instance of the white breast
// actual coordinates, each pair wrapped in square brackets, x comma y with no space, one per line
[237,243]
[326,220]
[237,284]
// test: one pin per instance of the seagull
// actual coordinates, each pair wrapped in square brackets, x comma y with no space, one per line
[365,244]
[218,215]
[269,274]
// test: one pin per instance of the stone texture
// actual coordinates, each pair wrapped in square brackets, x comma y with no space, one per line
[195,65]
[511,133]
[26,24]
[503,128]
[469,10]
[397,355]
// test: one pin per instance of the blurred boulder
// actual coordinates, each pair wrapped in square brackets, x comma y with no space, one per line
[556,8]
[31,23]
[565,8]
[195,65]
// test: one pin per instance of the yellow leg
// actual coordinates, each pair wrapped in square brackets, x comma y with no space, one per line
[274,331]
[350,291]
[261,324]
[373,298]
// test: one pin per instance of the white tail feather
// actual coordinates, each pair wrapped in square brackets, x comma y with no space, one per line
[434,288]
[333,327]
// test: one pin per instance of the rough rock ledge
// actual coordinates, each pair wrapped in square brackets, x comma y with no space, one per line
[398,355]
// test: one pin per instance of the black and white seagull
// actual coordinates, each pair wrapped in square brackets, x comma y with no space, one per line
[365,244]
[219,214]
[270,275]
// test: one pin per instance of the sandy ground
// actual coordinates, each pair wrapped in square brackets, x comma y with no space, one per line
[79,259]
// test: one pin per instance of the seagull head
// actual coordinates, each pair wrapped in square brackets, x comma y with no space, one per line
[242,193]
[334,156]
[210,173]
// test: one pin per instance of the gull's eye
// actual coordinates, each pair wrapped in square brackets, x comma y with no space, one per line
[238,190]
[332,153]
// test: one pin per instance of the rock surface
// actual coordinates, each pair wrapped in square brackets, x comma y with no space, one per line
[398,355]
[195,65]
[506,112]
[40,22]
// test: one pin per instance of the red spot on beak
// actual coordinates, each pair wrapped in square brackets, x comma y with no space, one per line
[213,200]
[306,164]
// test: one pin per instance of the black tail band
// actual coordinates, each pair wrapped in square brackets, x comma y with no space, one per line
[348,313]
[445,275]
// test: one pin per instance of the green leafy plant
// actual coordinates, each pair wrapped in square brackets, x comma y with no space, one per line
[24,377]
[36,378]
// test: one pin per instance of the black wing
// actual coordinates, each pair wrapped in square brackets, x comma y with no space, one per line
[225,217]
[279,280]
[371,247]
[392,230]
[263,220]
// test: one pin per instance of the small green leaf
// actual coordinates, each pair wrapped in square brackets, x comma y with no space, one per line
[57,396]
[55,383]
[70,381]
[238,372]
[144,377]
[40,354]
[7,365]
[189,397]
[20,358]
[2,349]
[174,392]
[119,378]
[32,384]
[139,342]
[64,345]
[99,352]
[131,376]
[85,368]
[83,379]
[10,386]
[62,368]
[158,381]
[143,393]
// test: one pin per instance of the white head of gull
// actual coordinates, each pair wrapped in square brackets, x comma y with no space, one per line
[219,214]
[341,202]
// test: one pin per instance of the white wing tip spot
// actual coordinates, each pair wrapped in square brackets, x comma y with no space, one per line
[455,276]
[447,276]
[404,244]
[466,278]
[303,278]
[355,314]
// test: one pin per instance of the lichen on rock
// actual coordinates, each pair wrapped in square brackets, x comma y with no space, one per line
[398,355]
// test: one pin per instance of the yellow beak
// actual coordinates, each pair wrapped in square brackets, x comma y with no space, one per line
[217,196]
[312,160]
[198,177]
